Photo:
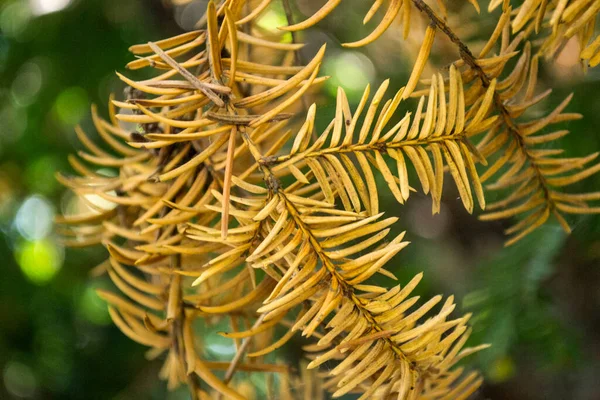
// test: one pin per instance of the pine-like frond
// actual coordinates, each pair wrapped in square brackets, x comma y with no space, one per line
[215,209]
[343,157]
[322,259]
[188,208]
[533,178]
[151,262]
[565,19]
[167,171]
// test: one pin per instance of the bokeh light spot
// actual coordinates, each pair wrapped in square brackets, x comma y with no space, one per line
[14,18]
[40,174]
[40,260]
[71,105]
[27,84]
[41,7]
[350,70]
[14,123]
[218,346]
[188,15]
[502,369]
[92,308]
[272,19]
[19,379]
[128,126]
[34,218]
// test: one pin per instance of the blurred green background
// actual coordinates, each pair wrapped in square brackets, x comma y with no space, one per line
[536,302]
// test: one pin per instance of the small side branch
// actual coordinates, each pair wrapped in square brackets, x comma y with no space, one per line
[467,56]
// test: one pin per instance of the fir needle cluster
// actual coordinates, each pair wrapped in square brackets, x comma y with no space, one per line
[224,208]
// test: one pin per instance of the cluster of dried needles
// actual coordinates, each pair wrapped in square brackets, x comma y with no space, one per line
[217,206]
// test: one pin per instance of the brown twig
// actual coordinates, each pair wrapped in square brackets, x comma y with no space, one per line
[242,120]
[197,83]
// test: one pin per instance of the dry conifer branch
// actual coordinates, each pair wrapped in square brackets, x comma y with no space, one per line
[537,192]
[565,19]
[443,132]
[222,210]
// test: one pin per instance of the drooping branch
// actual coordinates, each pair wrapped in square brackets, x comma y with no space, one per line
[508,121]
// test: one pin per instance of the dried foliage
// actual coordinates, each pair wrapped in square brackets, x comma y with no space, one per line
[221,209]
[565,19]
